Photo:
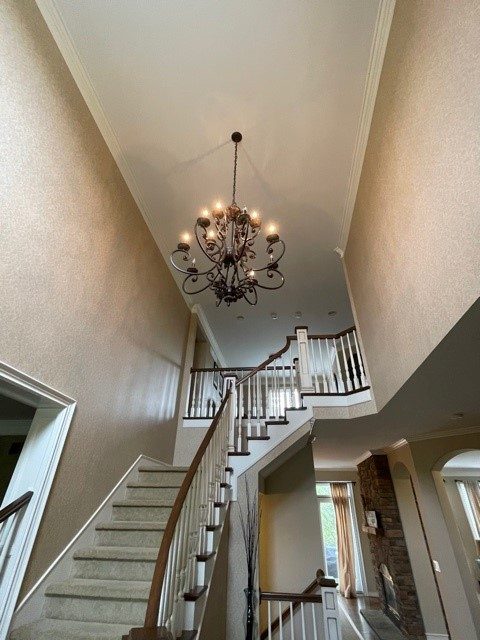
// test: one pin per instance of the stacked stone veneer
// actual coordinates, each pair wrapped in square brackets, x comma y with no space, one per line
[389,547]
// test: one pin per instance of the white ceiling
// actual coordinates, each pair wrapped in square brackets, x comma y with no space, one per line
[174,79]
[466,460]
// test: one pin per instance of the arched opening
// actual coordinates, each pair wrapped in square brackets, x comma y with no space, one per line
[457,478]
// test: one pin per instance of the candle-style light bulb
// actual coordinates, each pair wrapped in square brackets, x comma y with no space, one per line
[254,215]
[211,234]
[218,205]
[205,213]
[251,273]
[185,237]
[272,229]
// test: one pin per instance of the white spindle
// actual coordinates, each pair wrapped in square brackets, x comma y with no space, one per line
[314,623]
[258,381]
[302,613]
[363,377]
[292,626]
[311,344]
[322,366]
[356,381]
[293,399]
[347,377]
[249,407]
[269,613]
[280,621]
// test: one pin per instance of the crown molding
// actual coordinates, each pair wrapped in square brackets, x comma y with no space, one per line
[445,433]
[375,64]
[77,68]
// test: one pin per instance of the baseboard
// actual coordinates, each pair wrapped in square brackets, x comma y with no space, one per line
[436,636]
[372,594]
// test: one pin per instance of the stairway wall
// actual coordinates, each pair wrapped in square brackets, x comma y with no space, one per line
[413,260]
[89,305]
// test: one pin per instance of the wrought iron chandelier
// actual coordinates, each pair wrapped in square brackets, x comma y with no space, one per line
[226,237]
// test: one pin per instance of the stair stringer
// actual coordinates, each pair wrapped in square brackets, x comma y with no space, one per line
[315,407]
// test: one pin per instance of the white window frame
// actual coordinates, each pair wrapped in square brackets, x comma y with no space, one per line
[468,509]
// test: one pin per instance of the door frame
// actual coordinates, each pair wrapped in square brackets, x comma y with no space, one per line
[35,471]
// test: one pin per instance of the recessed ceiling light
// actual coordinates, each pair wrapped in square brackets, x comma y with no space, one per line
[240,317]
[297,314]
[458,415]
[274,316]
[332,313]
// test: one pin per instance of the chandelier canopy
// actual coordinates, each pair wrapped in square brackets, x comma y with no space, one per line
[226,237]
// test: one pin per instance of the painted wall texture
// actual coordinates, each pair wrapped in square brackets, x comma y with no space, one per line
[413,255]
[88,304]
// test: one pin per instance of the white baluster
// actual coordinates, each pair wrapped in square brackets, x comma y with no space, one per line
[269,613]
[284,388]
[347,377]
[293,399]
[314,623]
[363,377]
[341,386]
[258,381]
[322,366]
[311,344]
[356,381]
[292,626]
[193,405]
[280,621]
[249,407]
[302,613]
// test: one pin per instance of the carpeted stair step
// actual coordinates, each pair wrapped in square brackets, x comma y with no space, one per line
[163,477]
[115,563]
[50,629]
[110,601]
[130,533]
[151,491]
[144,510]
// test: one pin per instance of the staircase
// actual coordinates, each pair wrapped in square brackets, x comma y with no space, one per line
[108,591]
[148,573]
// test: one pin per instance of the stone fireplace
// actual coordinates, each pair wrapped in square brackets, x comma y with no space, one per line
[394,577]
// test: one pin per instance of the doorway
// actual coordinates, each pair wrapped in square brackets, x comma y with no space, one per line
[33,459]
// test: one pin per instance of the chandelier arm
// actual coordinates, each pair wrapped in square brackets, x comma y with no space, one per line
[245,224]
[275,260]
[185,271]
[272,288]
[253,301]
[201,245]
[193,277]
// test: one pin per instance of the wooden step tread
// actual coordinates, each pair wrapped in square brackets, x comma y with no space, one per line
[258,437]
[220,504]
[225,485]
[196,593]
[205,557]
[213,527]
[239,453]
[188,635]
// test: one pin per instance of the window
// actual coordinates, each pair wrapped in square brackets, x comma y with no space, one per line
[329,533]
[469,509]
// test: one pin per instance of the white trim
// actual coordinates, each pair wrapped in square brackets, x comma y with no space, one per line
[377,54]
[397,445]
[43,577]
[436,636]
[445,433]
[347,615]
[46,437]
[80,74]
[202,318]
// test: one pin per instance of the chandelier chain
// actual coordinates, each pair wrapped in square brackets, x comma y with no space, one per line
[235,173]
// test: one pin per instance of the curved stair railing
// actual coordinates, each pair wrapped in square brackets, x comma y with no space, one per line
[250,402]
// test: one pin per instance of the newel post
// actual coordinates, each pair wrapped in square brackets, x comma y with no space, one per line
[331,614]
[304,368]
[229,384]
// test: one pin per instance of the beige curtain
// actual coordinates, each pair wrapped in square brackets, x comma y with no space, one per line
[346,553]
[473,492]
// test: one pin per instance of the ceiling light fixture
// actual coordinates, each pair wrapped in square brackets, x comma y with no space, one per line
[332,313]
[229,245]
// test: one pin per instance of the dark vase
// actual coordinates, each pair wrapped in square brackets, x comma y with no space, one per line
[250,613]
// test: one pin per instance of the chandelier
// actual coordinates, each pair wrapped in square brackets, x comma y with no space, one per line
[226,237]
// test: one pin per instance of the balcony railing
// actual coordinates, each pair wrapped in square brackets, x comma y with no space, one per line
[326,365]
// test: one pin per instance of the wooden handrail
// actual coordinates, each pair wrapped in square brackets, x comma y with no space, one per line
[151,616]
[15,506]
[333,336]
[266,362]
[305,596]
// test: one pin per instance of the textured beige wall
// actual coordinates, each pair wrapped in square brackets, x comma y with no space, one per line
[289,514]
[88,304]
[413,253]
